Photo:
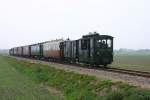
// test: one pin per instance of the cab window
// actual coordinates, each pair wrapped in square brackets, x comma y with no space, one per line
[102,43]
[109,43]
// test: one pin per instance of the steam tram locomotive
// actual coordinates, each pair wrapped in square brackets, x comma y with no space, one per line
[93,49]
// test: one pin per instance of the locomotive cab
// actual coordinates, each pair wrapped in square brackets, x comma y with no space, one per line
[104,49]
[96,49]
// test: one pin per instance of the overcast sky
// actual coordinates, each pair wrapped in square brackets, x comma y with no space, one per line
[29,21]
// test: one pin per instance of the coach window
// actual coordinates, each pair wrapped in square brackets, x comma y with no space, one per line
[83,44]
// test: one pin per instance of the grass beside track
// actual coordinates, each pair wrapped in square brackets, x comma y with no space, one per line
[132,62]
[17,86]
[76,86]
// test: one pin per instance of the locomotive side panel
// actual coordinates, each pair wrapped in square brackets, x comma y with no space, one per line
[86,50]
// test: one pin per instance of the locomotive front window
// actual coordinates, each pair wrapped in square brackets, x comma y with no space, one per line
[104,43]
[109,43]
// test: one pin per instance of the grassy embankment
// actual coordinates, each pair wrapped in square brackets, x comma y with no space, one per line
[76,86]
[17,86]
[134,62]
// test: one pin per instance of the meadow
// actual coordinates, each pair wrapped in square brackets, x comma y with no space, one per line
[132,61]
[17,86]
[20,80]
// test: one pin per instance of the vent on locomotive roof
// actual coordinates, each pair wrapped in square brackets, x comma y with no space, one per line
[91,35]
[68,39]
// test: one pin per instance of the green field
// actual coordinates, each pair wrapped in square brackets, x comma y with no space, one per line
[16,86]
[134,62]
[21,80]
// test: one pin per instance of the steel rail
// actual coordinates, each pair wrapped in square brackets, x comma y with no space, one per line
[129,72]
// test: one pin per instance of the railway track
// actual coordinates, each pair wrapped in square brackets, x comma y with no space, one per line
[108,69]
[116,70]
[129,72]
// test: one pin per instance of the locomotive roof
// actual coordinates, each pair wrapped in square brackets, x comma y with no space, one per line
[96,35]
[106,36]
